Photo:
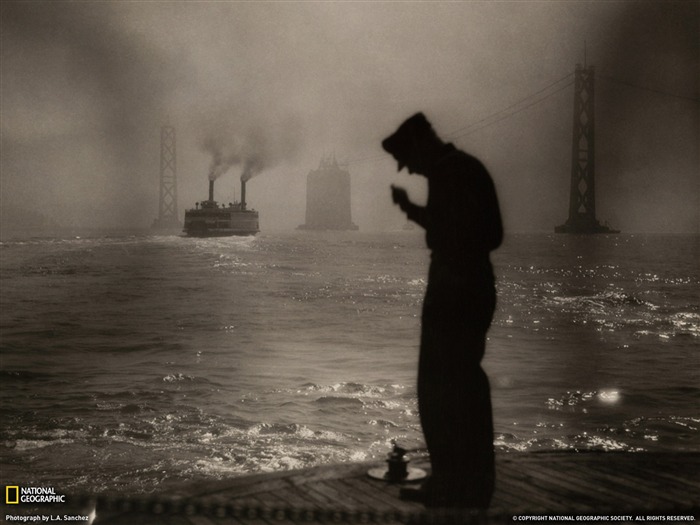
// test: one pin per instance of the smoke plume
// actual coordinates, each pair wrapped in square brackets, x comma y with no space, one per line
[251,167]
[223,156]
[254,143]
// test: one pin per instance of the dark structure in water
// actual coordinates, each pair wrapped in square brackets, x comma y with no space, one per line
[167,203]
[582,192]
[209,219]
[328,198]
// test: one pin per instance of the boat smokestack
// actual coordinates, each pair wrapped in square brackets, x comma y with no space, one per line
[211,190]
[243,181]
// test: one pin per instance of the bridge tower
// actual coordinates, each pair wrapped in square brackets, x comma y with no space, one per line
[582,217]
[167,206]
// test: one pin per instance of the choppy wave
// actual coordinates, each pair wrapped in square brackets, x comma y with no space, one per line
[603,300]
[685,323]
[351,389]
[630,435]
[582,400]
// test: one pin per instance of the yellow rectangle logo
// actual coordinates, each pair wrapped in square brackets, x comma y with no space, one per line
[11,494]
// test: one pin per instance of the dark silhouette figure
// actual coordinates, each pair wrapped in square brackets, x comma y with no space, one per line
[463,225]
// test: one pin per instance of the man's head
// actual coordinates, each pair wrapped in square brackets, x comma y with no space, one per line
[413,144]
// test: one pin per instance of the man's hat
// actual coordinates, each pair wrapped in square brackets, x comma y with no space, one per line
[404,140]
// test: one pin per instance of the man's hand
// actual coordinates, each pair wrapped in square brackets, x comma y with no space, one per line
[400,197]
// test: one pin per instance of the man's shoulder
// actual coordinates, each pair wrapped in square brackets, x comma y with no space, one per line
[458,162]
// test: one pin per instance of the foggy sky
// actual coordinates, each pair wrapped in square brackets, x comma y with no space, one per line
[85,87]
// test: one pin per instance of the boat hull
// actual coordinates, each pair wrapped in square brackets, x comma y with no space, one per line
[221,222]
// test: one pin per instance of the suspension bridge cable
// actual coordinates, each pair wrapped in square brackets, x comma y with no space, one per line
[513,112]
[476,125]
[643,88]
[455,132]
[384,156]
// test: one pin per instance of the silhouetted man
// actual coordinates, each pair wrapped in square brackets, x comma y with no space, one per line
[462,222]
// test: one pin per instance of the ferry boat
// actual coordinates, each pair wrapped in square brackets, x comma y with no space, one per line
[211,219]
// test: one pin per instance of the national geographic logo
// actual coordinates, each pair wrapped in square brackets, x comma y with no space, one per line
[15,494]
[12,495]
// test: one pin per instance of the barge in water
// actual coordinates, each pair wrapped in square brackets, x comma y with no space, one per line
[211,219]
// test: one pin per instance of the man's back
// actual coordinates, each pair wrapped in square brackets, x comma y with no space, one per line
[463,220]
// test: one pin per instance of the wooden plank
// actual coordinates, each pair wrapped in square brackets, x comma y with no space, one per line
[673,478]
[585,487]
[265,499]
[562,487]
[639,488]
[560,483]
[631,490]
[333,499]
[298,498]
[374,496]
[240,488]
[521,482]
[353,499]
[503,499]
[617,489]
[560,476]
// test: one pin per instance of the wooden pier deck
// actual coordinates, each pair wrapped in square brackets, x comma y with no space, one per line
[621,487]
